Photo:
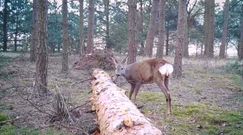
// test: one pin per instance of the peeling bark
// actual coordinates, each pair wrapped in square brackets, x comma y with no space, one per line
[116,114]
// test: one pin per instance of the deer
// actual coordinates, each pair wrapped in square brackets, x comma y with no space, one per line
[155,70]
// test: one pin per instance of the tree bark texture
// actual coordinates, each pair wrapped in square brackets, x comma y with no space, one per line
[132,31]
[180,42]
[160,47]
[81,27]
[186,45]
[209,26]
[224,40]
[151,29]
[41,50]
[65,37]
[90,42]
[116,114]
[34,31]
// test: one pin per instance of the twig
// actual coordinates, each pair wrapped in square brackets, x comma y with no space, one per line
[34,105]
[86,102]
[64,104]
[86,80]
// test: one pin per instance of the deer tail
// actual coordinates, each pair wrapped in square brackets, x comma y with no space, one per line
[166,69]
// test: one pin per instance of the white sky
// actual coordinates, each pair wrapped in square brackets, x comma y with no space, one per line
[216,1]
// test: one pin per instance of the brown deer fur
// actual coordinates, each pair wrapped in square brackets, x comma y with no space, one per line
[145,72]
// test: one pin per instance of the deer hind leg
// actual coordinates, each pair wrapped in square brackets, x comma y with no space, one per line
[166,92]
[167,82]
[131,91]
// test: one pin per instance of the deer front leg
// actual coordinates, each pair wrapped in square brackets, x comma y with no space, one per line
[167,96]
[136,89]
[131,91]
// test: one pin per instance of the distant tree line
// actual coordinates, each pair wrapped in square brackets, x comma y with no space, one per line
[134,26]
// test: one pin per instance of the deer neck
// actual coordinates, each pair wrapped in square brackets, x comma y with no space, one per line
[127,71]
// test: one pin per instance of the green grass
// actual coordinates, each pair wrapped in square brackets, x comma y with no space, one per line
[204,119]
[12,130]
[197,118]
[237,79]
[8,129]
[154,97]
[3,117]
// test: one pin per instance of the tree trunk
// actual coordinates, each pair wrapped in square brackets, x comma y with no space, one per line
[132,31]
[151,29]
[5,25]
[65,37]
[42,56]
[240,50]
[167,42]
[90,42]
[224,40]
[160,48]
[209,19]
[16,34]
[34,35]
[80,49]
[181,31]
[58,48]
[140,27]
[116,114]
[107,23]
[186,45]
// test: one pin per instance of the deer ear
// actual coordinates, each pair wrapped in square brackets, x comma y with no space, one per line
[114,60]
[124,60]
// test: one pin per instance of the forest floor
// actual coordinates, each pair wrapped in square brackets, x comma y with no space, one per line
[206,100]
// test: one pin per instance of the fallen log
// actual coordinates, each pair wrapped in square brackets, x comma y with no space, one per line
[116,114]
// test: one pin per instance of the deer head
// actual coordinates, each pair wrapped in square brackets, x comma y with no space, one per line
[120,66]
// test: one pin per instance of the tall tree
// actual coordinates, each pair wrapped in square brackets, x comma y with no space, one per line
[191,14]
[152,29]
[181,38]
[5,24]
[41,50]
[167,42]
[240,47]
[81,27]
[140,27]
[34,35]
[209,26]
[90,42]
[65,36]
[224,40]
[132,31]
[16,33]
[160,48]
[107,23]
